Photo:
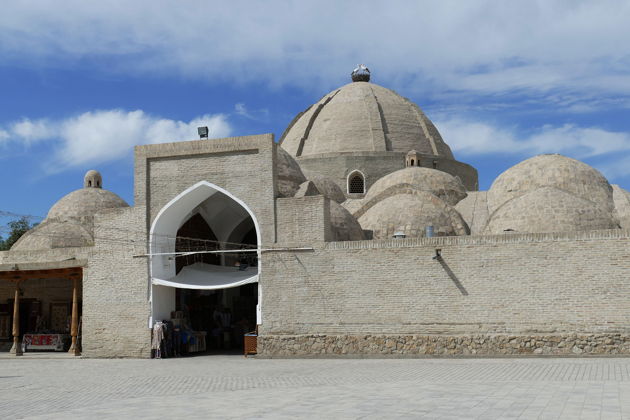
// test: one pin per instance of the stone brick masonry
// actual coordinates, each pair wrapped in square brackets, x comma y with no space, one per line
[504,294]
[443,345]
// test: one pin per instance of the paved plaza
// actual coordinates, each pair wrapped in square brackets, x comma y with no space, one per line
[235,387]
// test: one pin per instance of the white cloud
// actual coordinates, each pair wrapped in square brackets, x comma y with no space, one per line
[4,136]
[479,46]
[105,135]
[256,115]
[241,110]
[474,138]
[30,131]
[479,138]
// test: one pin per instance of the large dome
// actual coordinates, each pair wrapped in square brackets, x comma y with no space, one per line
[363,117]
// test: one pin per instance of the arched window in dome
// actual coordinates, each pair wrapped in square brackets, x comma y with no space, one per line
[356,183]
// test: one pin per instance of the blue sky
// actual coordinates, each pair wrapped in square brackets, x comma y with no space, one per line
[81,82]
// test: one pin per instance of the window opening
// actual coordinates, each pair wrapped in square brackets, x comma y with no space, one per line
[356,184]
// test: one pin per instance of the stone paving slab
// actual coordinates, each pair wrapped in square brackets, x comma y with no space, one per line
[235,387]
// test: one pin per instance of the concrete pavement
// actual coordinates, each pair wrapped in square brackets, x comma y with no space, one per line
[235,387]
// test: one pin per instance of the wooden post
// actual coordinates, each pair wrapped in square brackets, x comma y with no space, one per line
[17,346]
[74,328]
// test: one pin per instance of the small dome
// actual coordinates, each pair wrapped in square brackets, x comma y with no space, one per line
[344,226]
[441,184]
[621,199]
[326,186]
[84,203]
[556,171]
[474,210]
[92,179]
[411,213]
[51,234]
[549,209]
[290,175]
[360,117]
[70,220]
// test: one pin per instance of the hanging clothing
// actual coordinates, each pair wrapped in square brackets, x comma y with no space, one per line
[157,339]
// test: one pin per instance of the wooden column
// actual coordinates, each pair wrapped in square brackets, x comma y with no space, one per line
[17,346]
[74,328]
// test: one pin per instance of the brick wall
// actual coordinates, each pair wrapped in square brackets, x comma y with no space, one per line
[376,165]
[513,284]
[303,220]
[244,166]
[116,287]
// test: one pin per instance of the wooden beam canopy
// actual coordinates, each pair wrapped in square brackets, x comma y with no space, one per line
[58,273]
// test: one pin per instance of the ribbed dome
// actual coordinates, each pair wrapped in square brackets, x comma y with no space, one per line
[441,184]
[411,214]
[290,175]
[362,116]
[548,209]
[556,171]
[84,203]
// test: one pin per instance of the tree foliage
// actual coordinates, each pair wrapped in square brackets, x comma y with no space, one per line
[17,228]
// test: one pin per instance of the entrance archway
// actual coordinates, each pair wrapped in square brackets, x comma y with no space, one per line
[195,242]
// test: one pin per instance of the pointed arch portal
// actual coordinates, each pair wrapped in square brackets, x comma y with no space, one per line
[219,214]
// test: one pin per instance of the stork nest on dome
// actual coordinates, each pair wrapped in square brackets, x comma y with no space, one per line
[361,74]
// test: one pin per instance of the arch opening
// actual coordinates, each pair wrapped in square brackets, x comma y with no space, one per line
[205,255]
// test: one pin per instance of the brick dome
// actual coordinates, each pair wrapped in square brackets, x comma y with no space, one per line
[360,117]
[290,175]
[441,184]
[70,221]
[553,170]
[411,213]
[326,186]
[549,209]
[84,203]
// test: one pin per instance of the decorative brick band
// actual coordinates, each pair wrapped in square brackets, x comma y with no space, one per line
[591,235]
[443,345]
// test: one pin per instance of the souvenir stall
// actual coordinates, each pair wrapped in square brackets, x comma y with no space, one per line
[40,310]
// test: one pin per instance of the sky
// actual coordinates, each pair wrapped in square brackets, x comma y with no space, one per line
[82,82]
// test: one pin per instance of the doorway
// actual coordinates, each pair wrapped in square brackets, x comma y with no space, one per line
[204,270]
[223,315]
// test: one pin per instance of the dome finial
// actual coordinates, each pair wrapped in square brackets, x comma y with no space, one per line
[361,73]
[92,179]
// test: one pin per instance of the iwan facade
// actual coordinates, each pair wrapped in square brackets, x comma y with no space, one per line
[327,231]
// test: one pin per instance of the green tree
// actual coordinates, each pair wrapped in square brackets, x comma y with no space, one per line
[17,229]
